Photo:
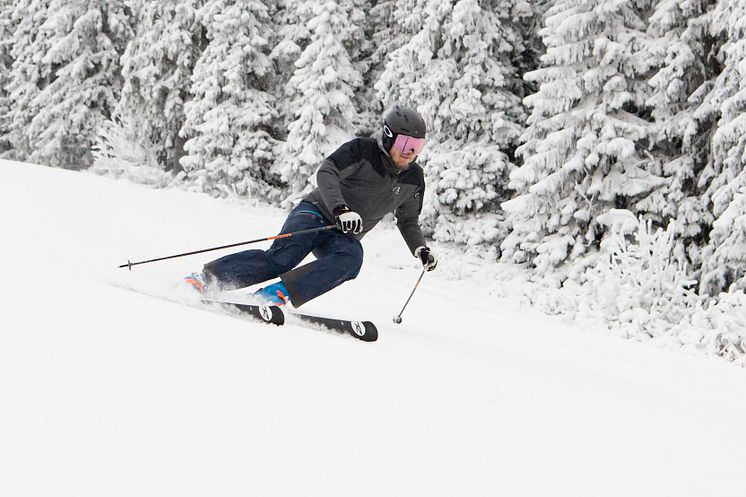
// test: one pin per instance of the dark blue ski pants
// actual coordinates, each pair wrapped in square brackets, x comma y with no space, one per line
[338,259]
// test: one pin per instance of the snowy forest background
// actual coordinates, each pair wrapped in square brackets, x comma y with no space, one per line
[594,147]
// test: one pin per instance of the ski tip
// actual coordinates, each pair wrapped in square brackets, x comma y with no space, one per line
[371,334]
[277,316]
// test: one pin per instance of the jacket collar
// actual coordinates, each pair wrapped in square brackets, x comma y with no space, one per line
[387,161]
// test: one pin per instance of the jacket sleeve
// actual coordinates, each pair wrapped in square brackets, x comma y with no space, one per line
[341,164]
[407,219]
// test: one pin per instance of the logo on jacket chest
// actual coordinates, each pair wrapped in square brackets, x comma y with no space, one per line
[396,189]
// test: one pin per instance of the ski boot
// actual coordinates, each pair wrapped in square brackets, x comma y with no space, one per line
[274,294]
[197,282]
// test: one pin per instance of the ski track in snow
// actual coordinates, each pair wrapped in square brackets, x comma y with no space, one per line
[106,391]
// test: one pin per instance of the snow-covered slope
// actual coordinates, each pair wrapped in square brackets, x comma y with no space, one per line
[105,391]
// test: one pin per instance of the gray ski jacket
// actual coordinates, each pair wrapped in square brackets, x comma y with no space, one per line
[361,175]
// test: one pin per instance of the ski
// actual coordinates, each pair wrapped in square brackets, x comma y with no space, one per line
[267,313]
[270,314]
[362,330]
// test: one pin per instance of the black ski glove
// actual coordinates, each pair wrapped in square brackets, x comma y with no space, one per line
[429,261]
[348,221]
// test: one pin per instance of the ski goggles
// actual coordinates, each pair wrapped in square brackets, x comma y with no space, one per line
[406,144]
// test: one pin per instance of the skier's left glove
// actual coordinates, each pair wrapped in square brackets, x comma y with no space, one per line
[429,261]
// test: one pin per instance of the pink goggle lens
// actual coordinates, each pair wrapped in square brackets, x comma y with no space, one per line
[406,144]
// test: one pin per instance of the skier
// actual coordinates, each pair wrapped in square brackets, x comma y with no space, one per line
[358,184]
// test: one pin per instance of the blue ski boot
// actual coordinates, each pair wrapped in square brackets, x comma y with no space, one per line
[274,294]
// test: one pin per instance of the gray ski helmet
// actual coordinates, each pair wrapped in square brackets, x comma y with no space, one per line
[405,121]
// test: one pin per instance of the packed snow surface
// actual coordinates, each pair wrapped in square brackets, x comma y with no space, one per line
[106,391]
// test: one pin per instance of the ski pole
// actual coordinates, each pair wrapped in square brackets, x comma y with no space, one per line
[397,318]
[276,237]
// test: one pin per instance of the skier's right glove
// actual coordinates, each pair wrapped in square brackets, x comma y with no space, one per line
[348,221]
[429,261]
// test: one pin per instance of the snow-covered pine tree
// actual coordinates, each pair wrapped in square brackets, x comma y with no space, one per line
[228,120]
[582,149]
[67,77]
[458,70]
[7,27]
[678,55]
[724,257]
[382,35]
[385,31]
[26,78]
[291,37]
[157,66]
[321,91]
